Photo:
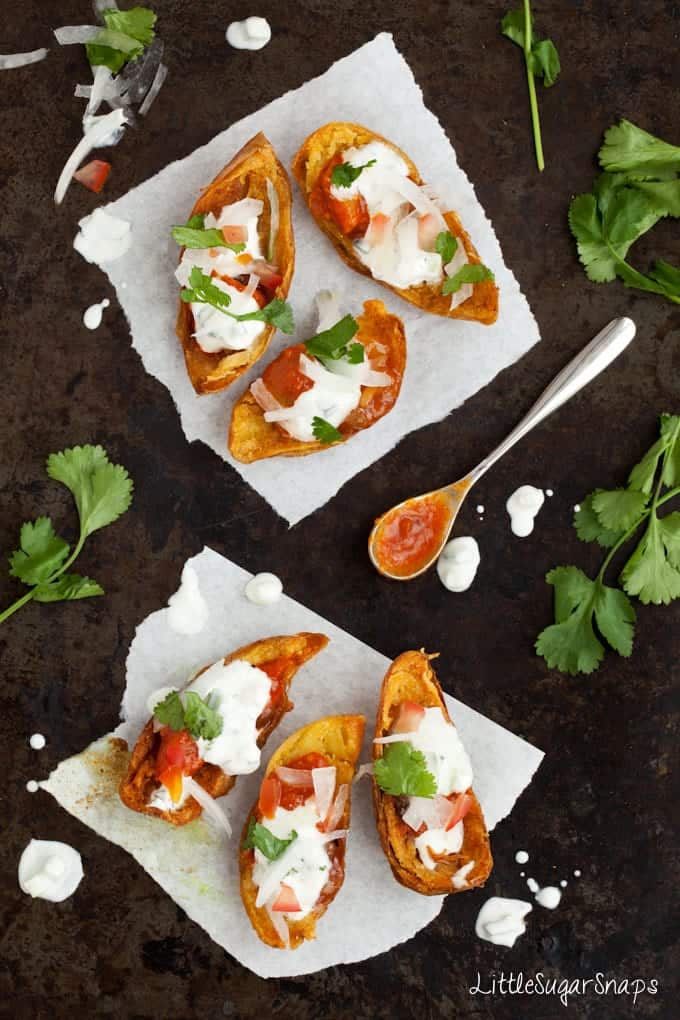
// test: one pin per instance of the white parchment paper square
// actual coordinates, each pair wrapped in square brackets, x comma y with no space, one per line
[448,361]
[197,866]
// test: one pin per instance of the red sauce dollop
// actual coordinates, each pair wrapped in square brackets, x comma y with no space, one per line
[408,537]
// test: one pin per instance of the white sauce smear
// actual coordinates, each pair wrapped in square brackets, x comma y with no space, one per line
[549,897]
[251,34]
[458,563]
[92,316]
[264,589]
[50,870]
[523,506]
[501,920]
[102,238]
[187,609]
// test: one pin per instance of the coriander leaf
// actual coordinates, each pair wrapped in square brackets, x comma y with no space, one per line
[628,216]
[615,618]
[41,553]
[664,194]
[356,354]
[473,272]
[403,770]
[260,838]
[331,343]
[203,291]
[570,644]
[200,719]
[137,22]
[324,432]
[196,222]
[124,38]
[649,573]
[512,26]
[277,313]
[667,276]
[619,509]
[344,174]
[545,61]
[170,711]
[199,237]
[586,226]
[627,147]
[446,245]
[588,526]
[67,588]
[102,491]
[670,536]
[667,446]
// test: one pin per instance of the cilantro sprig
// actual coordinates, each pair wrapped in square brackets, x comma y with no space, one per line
[260,838]
[203,291]
[344,174]
[446,245]
[123,39]
[194,234]
[334,343]
[640,185]
[587,610]
[193,714]
[403,770]
[541,60]
[102,492]
[324,432]
[473,272]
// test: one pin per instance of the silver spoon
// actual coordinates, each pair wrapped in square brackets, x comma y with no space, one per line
[447,501]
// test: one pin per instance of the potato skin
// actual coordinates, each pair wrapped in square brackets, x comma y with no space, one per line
[245,176]
[308,163]
[339,737]
[252,438]
[411,678]
[139,782]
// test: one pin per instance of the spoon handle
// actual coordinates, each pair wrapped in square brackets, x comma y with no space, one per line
[581,370]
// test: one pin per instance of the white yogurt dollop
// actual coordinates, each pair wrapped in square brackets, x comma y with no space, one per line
[523,506]
[92,316]
[251,34]
[501,920]
[50,870]
[102,238]
[264,589]
[549,897]
[187,609]
[458,563]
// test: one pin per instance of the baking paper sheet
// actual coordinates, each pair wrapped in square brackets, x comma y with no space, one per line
[448,361]
[198,866]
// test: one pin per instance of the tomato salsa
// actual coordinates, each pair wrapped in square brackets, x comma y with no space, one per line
[409,536]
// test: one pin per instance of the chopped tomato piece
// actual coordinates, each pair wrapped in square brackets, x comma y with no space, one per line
[93,175]
[410,717]
[235,235]
[428,228]
[283,377]
[268,274]
[461,804]
[270,796]
[295,796]
[177,756]
[350,214]
[286,902]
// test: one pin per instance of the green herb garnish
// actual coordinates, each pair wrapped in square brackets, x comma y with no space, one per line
[446,245]
[403,770]
[194,715]
[203,291]
[652,573]
[473,272]
[102,492]
[640,185]
[324,432]
[124,38]
[344,174]
[194,234]
[541,59]
[260,838]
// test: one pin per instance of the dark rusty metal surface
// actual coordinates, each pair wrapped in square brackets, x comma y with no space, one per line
[606,797]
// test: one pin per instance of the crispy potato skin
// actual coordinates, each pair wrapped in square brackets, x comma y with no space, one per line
[411,678]
[140,782]
[252,438]
[310,160]
[244,177]
[339,737]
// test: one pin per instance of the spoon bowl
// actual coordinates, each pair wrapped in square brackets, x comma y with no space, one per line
[407,539]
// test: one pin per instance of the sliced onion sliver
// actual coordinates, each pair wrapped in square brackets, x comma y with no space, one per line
[392,738]
[418,198]
[338,808]
[252,285]
[294,777]
[8,61]
[92,139]
[433,811]
[265,399]
[156,85]
[328,837]
[101,89]
[364,770]
[82,91]
[273,197]
[212,809]
[280,924]
[324,788]
[72,35]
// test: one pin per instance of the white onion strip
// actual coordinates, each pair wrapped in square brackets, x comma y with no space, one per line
[264,398]
[92,139]
[294,777]
[72,35]
[280,924]
[8,61]
[253,283]
[393,738]
[154,89]
[324,788]
[212,809]
[328,837]
[273,198]
[338,807]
